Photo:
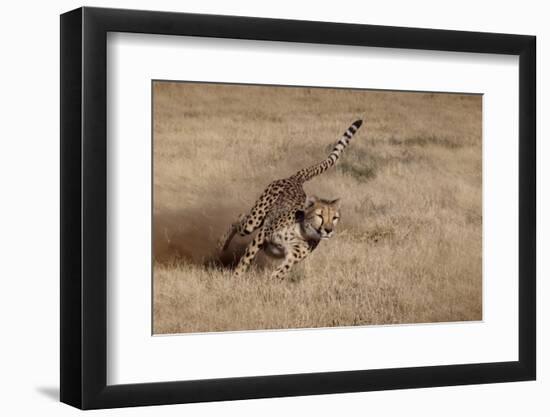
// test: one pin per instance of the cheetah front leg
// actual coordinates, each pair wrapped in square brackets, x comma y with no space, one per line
[293,256]
[251,251]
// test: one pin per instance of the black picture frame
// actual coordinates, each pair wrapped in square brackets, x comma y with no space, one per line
[84,207]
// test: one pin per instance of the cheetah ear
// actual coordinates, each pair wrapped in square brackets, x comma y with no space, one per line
[311,200]
[335,203]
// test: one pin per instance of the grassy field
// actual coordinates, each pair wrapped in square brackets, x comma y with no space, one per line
[408,248]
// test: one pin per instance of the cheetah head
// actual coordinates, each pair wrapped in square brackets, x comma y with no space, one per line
[319,217]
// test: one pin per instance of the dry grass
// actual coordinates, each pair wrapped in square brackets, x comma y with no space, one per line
[407,249]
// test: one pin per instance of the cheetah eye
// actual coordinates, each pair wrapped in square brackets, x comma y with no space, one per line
[335,219]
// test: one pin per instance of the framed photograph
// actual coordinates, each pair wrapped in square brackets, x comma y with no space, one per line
[259,208]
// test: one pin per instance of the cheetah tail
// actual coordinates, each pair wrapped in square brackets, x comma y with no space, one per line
[308,173]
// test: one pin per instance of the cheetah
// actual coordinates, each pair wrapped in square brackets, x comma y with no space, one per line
[290,224]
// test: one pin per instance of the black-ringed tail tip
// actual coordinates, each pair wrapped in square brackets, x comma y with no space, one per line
[357,124]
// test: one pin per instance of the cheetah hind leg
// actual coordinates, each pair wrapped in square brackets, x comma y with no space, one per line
[246,224]
[251,251]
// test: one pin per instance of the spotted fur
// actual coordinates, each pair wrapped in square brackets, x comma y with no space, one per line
[285,218]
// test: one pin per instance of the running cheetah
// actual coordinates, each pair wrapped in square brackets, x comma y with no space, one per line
[289,224]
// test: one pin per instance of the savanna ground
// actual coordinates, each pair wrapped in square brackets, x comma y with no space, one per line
[408,248]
